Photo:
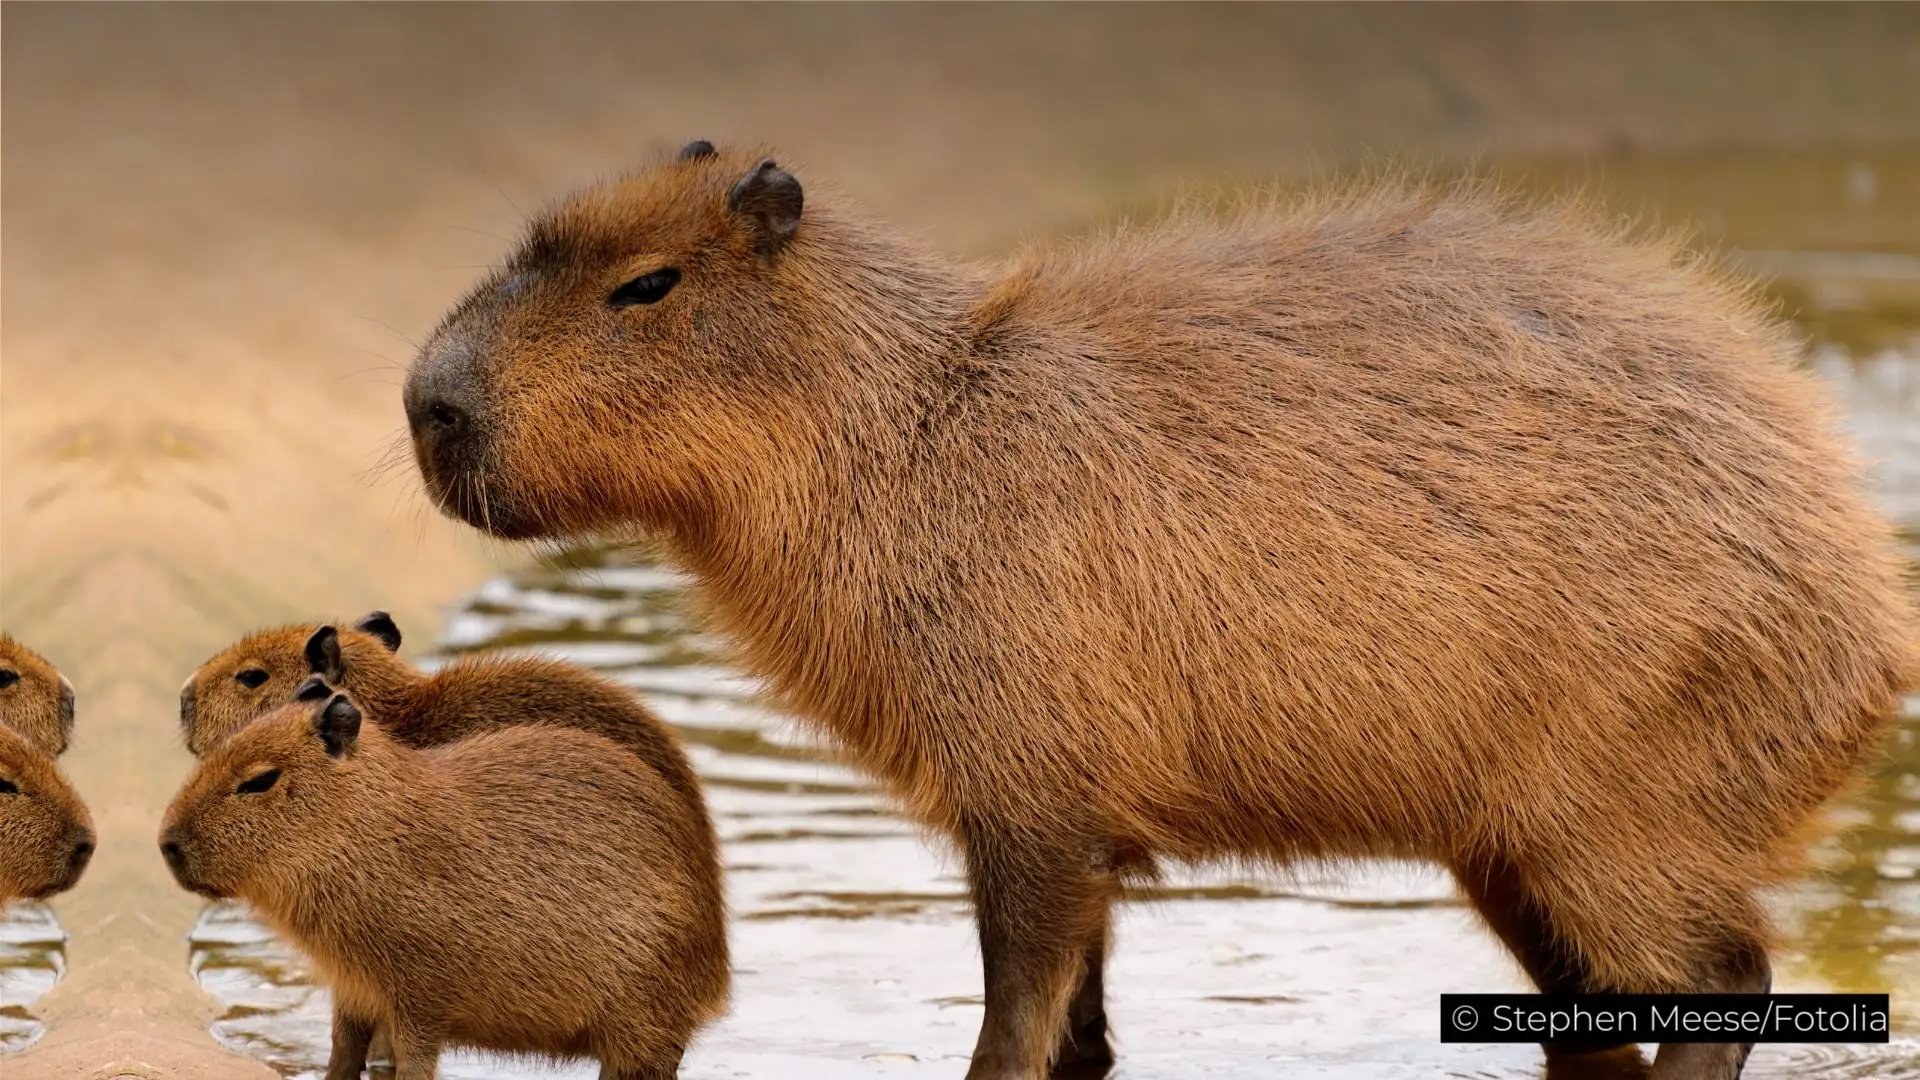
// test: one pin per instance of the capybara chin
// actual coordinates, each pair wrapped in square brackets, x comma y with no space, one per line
[35,699]
[530,890]
[1384,521]
[46,835]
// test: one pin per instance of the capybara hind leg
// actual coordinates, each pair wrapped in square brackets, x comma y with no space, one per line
[1498,891]
[1740,969]
[1039,905]
[416,1051]
[351,1037]
[1085,1053]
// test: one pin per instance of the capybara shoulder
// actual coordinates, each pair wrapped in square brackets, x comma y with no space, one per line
[46,834]
[261,671]
[35,699]
[529,889]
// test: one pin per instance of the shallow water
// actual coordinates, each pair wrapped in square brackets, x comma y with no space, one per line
[852,937]
[32,956]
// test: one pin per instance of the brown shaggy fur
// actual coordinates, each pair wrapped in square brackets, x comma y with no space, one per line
[1384,522]
[530,889]
[261,671]
[35,700]
[46,835]
[467,697]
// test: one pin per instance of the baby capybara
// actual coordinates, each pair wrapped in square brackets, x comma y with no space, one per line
[535,890]
[35,699]
[1385,521]
[46,835]
[263,671]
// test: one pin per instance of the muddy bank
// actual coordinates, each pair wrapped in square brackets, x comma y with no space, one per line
[221,225]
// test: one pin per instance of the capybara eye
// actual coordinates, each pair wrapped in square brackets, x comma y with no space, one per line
[251,678]
[645,289]
[8,787]
[259,783]
[8,678]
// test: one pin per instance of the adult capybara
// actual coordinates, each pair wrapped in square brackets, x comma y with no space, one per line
[46,835]
[35,699]
[1384,522]
[534,890]
[264,670]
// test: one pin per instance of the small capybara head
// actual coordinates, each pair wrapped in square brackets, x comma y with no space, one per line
[261,672]
[641,327]
[35,700]
[266,793]
[46,835]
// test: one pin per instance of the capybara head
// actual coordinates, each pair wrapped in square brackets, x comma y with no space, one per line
[255,801]
[35,700]
[46,835]
[646,334]
[261,672]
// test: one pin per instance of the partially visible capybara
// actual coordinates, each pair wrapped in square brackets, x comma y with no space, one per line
[263,671]
[1385,521]
[46,835]
[35,699]
[534,890]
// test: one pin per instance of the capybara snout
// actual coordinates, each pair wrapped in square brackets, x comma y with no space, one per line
[46,833]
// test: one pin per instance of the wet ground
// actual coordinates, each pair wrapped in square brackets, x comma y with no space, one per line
[31,960]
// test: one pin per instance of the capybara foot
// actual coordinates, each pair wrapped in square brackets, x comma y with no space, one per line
[1742,969]
[1612,1063]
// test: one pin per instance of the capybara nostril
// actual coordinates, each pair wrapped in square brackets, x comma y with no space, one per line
[175,856]
[82,852]
[445,419]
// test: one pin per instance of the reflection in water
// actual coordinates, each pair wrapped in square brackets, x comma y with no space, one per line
[852,935]
[31,961]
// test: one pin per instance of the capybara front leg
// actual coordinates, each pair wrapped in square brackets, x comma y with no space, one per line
[351,1036]
[1741,969]
[1085,1053]
[1039,905]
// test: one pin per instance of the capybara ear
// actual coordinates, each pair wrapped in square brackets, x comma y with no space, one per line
[323,653]
[189,698]
[66,712]
[380,625]
[314,689]
[770,199]
[338,725]
[696,149]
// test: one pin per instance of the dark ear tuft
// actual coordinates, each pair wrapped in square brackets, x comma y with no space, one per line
[338,725]
[314,689]
[380,625]
[770,198]
[696,149]
[323,653]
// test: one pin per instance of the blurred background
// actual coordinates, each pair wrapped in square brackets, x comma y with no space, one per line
[225,225]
